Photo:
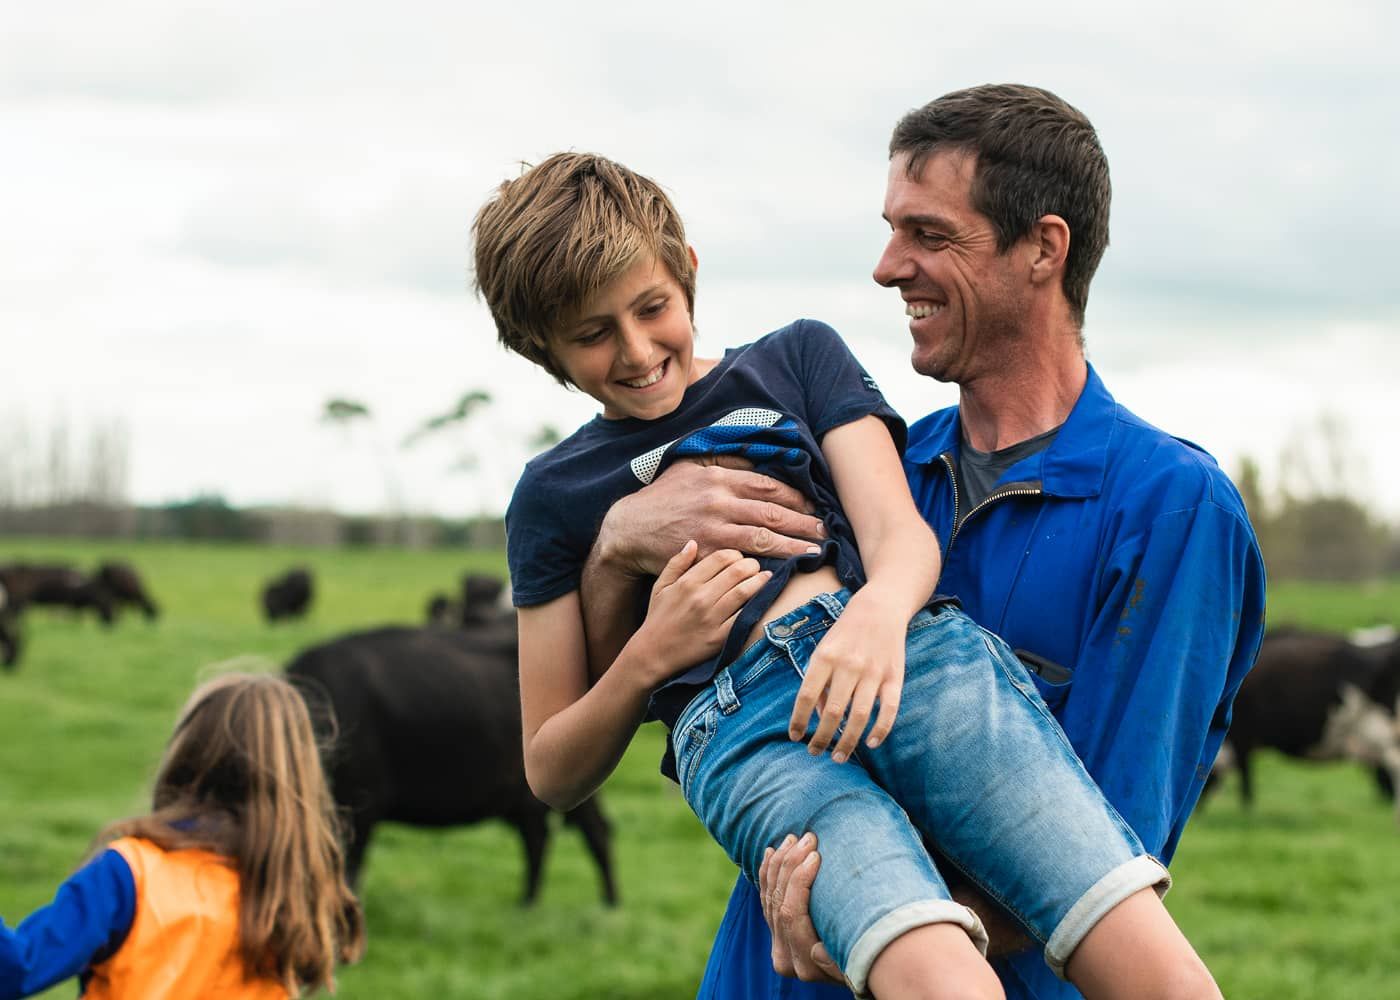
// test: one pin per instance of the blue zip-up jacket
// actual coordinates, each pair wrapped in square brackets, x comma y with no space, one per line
[1123,558]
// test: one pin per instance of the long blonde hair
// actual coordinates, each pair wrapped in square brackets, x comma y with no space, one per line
[241,776]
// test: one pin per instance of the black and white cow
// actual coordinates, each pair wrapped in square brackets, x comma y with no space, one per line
[1316,696]
[428,733]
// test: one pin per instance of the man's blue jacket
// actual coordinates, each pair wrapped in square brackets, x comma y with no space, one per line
[1122,558]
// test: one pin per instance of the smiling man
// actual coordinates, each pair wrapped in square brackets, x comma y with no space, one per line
[1117,559]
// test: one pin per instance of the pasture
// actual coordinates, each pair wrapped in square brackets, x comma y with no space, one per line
[1293,900]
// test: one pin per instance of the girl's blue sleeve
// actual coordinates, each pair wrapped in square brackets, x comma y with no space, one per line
[88,920]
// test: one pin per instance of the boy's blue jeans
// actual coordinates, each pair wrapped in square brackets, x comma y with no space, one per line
[975,763]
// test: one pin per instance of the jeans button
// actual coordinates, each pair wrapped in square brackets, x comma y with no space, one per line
[782,631]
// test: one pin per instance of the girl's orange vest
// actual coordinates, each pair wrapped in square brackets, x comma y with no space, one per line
[183,941]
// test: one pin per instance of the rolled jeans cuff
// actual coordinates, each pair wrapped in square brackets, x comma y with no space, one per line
[881,933]
[1131,876]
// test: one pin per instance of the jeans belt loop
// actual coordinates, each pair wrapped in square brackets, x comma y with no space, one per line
[724,691]
[833,605]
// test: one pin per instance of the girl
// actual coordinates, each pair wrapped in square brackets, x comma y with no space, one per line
[233,886]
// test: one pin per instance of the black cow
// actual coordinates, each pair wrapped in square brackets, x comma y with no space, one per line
[1314,696]
[429,734]
[289,595]
[123,585]
[9,633]
[480,602]
[54,585]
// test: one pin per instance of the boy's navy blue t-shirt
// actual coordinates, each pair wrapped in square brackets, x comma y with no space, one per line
[770,402]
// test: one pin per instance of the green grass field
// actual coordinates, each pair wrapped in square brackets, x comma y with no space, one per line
[1293,900]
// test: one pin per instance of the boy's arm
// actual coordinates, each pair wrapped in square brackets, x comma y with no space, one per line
[575,732]
[861,659]
[573,735]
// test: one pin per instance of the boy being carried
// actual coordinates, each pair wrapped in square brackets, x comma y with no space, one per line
[586,270]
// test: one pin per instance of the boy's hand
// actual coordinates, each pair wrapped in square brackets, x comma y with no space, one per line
[858,662]
[693,604]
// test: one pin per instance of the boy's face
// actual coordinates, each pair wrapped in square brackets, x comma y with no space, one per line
[630,346]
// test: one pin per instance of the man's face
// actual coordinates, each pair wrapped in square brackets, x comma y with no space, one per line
[966,303]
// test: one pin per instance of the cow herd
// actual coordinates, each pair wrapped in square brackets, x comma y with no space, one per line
[421,724]
[105,592]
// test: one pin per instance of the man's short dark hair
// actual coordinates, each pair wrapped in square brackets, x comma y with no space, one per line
[1035,156]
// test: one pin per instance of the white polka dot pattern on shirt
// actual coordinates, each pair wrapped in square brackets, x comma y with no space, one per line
[645,467]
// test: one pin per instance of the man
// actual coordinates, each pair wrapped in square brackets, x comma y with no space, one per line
[1118,560]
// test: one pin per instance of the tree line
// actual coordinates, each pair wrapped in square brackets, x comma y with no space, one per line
[1317,521]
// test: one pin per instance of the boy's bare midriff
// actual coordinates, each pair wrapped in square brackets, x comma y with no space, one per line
[799,590]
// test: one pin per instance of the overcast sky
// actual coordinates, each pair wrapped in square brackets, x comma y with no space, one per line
[215,217]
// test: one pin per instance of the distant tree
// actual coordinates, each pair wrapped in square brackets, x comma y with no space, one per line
[348,413]
[1325,538]
[107,464]
[208,516]
[455,420]
[1319,525]
[547,436]
[458,415]
[344,411]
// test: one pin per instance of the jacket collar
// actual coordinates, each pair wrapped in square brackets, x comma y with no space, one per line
[1073,465]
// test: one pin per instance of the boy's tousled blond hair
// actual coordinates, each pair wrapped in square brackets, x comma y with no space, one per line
[555,236]
[242,777]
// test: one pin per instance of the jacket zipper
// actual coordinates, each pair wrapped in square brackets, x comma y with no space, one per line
[1013,490]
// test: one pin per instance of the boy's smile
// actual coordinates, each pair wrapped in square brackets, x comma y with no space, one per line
[631,346]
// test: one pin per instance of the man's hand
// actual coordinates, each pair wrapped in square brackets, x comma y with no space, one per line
[785,886]
[721,506]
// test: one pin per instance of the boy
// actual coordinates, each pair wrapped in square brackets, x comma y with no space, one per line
[586,270]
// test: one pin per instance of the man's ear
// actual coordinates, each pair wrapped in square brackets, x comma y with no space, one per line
[694,260]
[1050,242]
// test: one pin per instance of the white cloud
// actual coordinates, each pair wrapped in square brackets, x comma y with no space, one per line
[216,218]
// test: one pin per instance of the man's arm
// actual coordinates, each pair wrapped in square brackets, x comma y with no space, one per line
[1180,618]
[720,506]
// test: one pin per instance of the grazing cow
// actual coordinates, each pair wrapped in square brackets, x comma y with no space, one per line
[1315,696]
[123,584]
[289,595]
[480,602]
[441,611]
[9,635]
[1384,690]
[428,733]
[55,586]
